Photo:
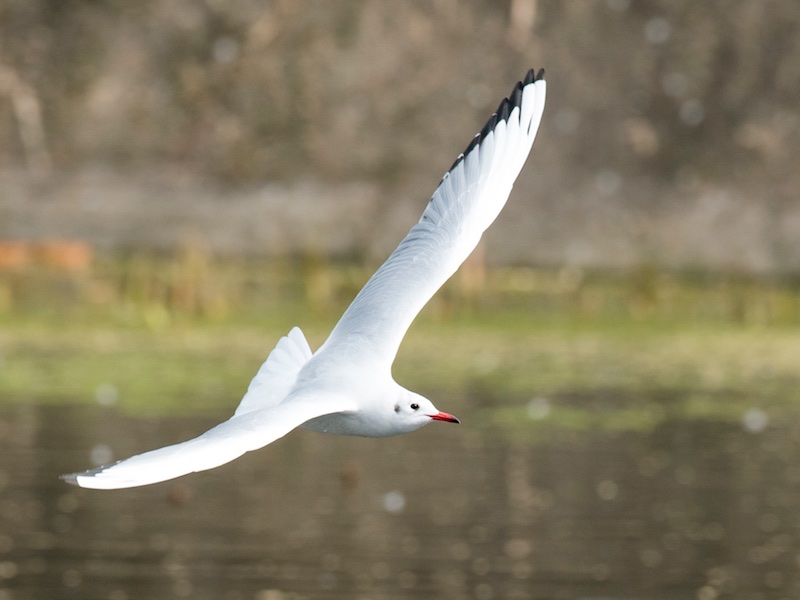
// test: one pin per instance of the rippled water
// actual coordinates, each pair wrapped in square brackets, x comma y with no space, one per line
[692,509]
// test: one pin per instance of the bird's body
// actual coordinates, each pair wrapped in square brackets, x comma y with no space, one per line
[346,386]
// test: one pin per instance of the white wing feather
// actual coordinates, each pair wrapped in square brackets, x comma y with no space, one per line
[468,199]
[277,375]
[225,442]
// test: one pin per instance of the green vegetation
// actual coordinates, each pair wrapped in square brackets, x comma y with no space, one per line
[522,347]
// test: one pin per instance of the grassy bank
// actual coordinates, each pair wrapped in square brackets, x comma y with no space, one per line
[156,335]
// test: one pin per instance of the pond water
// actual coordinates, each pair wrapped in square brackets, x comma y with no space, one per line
[691,509]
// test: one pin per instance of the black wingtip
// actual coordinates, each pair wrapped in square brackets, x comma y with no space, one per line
[506,106]
[70,478]
[516,96]
[490,125]
[504,110]
[533,76]
[458,160]
[502,113]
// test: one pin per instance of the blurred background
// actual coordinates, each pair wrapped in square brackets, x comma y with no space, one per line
[671,138]
[184,181]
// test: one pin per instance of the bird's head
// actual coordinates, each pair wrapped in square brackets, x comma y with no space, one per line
[416,411]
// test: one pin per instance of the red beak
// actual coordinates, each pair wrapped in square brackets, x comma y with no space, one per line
[443,416]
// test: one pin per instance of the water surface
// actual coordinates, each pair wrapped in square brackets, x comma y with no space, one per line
[692,509]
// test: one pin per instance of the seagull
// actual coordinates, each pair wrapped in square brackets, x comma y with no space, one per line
[346,386]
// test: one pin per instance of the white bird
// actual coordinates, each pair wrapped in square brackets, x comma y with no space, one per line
[346,386]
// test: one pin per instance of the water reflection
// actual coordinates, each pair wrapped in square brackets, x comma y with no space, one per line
[694,509]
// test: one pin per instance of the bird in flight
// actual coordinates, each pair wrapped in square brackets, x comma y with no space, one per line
[346,386]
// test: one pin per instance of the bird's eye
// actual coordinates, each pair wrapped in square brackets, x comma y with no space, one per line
[415,406]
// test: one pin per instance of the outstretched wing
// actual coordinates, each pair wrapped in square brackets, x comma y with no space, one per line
[225,442]
[469,198]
